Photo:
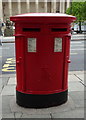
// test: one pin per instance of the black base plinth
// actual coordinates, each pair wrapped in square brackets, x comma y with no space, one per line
[41,101]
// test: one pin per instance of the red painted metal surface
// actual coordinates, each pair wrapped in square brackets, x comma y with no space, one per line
[43,71]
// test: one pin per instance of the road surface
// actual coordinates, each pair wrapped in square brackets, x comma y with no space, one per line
[77,53]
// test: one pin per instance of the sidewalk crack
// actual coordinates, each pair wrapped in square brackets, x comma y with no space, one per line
[81,81]
[51,116]
[19,117]
[78,77]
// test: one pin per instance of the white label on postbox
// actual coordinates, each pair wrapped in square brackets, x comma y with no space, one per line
[58,45]
[31,44]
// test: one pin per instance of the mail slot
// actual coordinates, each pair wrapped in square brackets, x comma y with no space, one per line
[42,42]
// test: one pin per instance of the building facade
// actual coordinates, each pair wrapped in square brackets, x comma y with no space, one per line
[9,7]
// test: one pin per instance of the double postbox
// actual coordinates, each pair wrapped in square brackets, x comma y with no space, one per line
[42,42]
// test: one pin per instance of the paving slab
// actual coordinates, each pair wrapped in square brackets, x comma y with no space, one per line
[9,90]
[0,117]
[8,75]
[0,85]
[81,76]
[72,78]
[10,115]
[77,95]
[5,80]
[64,107]
[0,105]
[18,114]
[12,81]
[6,104]
[78,99]
[79,103]
[76,72]
[37,116]
[75,86]
[77,113]
[74,107]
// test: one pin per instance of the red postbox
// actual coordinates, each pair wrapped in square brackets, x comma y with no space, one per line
[42,43]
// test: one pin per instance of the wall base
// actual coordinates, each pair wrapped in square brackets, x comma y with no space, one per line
[41,101]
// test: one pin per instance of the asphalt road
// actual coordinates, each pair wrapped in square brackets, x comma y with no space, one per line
[77,56]
[77,53]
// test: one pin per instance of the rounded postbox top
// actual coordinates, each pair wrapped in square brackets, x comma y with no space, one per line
[43,18]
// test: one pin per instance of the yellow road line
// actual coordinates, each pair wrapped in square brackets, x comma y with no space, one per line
[9,65]
[10,62]
[9,69]
[10,59]
[6,65]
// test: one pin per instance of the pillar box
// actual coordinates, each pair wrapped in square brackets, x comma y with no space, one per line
[42,42]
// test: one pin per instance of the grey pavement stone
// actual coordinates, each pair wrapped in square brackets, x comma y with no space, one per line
[18,114]
[12,81]
[72,78]
[74,107]
[78,98]
[10,115]
[64,107]
[8,75]
[75,86]
[0,85]
[5,80]
[0,105]
[81,76]
[0,117]
[76,72]
[6,104]
[77,113]
[77,95]
[37,116]
[85,112]
[9,90]
[79,103]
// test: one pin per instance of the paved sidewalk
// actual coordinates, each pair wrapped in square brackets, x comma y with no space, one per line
[73,108]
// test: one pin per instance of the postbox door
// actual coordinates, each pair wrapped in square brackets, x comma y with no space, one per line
[44,62]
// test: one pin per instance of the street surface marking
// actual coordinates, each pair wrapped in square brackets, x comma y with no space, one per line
[76,42]
[73,53]
[4,48]
[10,69]
[78,45]
[79,49]
[9,65]
[9,62]
[9,59]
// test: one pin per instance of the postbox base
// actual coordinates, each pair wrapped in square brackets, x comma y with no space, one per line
[41,101]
